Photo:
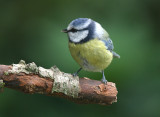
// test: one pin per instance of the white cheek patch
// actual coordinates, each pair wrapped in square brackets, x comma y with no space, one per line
[78,36]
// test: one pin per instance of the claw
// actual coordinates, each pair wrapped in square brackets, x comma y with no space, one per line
[76,73]
[104,81]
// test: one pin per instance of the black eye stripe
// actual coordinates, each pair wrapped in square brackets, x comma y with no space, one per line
[75,30]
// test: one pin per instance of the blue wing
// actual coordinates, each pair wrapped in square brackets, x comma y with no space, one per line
[109,44]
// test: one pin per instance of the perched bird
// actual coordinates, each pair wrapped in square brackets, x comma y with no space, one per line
[90,45]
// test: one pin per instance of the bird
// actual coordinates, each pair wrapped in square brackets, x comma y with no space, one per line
[90,46]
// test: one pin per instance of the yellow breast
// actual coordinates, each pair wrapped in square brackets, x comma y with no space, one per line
[92,55]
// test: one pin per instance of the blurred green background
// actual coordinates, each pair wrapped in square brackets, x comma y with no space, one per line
[30,30]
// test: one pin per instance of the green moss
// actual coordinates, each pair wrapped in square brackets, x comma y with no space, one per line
[2,84]
[6,73]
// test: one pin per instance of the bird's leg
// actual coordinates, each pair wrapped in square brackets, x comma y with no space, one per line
[76,73]
[104,78]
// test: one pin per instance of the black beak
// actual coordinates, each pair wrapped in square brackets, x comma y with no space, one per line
[65,31]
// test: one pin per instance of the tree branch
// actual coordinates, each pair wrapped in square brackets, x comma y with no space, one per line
[29,78]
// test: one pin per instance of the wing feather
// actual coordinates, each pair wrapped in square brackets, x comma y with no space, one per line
[109,44]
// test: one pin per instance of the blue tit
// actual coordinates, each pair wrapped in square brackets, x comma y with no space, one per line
[90,45]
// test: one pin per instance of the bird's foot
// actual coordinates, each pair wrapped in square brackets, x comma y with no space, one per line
[74,74]
[104,78]
[104,81]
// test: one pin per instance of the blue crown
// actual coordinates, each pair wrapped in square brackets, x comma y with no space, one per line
[79,21]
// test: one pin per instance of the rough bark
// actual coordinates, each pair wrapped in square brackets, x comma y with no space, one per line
[91,91]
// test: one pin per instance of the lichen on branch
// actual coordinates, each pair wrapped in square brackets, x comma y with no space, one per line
[63,82]
[29,78]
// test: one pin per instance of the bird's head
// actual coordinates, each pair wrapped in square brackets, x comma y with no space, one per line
[83,29]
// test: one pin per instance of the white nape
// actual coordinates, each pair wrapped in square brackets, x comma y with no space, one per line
[99,31]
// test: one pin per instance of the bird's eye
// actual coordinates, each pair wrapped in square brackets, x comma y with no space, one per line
[73,30]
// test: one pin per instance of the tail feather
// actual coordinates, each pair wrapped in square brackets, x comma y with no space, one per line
[115,55]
